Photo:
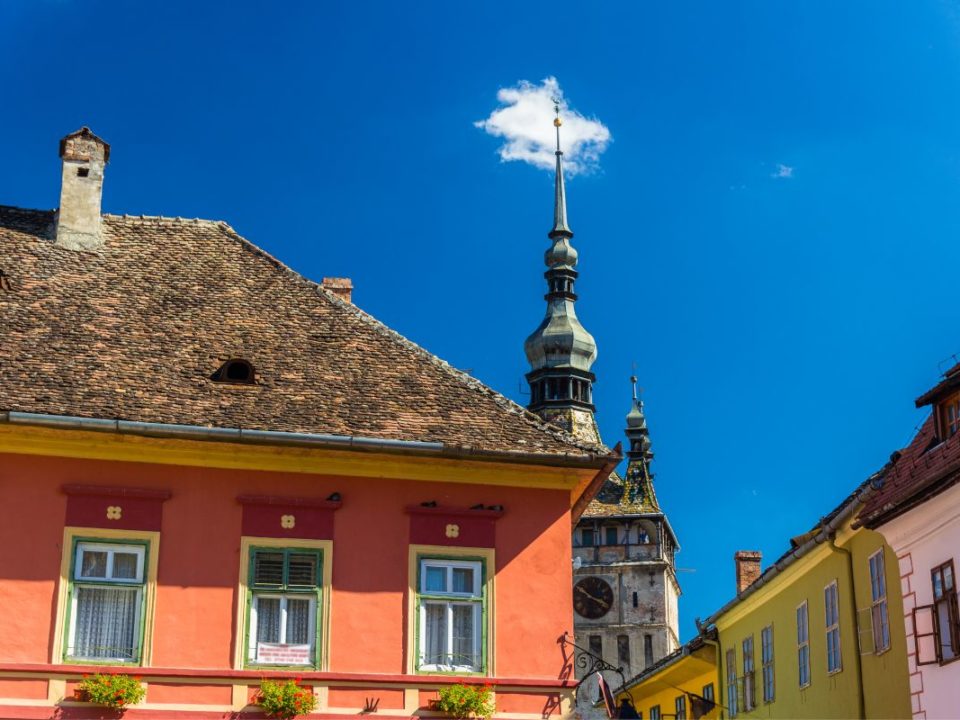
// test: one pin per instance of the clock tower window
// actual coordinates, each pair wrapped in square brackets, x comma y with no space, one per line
[596,645]
[623,650]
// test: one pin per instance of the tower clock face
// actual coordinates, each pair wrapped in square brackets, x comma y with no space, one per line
[592,598]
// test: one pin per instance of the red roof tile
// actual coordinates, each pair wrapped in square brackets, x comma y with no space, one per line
[926,466]
[136,331]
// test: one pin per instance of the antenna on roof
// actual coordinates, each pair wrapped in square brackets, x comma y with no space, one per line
[953,360]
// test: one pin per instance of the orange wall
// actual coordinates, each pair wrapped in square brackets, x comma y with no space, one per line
[200,555]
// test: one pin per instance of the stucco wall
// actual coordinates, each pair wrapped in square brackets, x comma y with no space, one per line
[836,695]
[689,674]
[199,562]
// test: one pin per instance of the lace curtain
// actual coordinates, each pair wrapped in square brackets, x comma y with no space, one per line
[283,621]
[459,648]
[106,622]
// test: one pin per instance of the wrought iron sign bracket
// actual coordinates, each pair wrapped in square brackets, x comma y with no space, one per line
[589,663]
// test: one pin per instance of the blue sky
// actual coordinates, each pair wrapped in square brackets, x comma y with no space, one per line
[781,326]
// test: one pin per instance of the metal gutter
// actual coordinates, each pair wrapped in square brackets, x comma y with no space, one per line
[296,439]
[949,476]
[858,659]
[827,530]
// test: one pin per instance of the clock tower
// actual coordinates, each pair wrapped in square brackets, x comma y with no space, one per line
[625,586]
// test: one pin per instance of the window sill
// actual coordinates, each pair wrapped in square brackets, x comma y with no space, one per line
[102,663]
[454,673]
[834,672]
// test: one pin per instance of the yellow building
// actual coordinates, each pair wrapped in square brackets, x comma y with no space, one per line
[819,634]
[683,684]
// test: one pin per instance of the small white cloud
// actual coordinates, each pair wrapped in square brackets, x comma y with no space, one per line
[525,122]
[783,171]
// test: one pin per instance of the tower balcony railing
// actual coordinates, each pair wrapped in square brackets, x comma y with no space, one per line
[608,554]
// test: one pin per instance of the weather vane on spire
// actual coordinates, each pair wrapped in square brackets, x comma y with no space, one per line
[557,122]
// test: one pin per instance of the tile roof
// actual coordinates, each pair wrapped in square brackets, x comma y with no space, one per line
[134,332]
[923,468]
[950,382]
[613,500]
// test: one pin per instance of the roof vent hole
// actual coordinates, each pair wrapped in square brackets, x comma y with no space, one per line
[235,371]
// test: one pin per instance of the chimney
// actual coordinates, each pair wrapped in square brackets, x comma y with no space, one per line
[341,287]
[84,157]
[748,568]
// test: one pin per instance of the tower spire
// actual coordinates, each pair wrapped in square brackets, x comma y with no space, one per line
[560,192]
[639,479]
[560,351]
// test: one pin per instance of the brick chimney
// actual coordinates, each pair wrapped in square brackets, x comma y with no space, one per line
[84,157]
[748,568]
[341,287]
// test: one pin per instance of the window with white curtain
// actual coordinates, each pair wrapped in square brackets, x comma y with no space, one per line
[285,586]
[803,644]
[878,603]
[749,691]
[733,703]
[766,658]
[832,622]
[106,602]
[450,606]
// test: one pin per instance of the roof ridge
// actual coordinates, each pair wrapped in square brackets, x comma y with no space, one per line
[124,216]
[25,210]
[170,219]
[466,379]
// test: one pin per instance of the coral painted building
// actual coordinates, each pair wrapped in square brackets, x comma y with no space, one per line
[214,471]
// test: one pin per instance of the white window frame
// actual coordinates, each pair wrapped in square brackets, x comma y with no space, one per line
[111,549]
[803,644]
[831,592]
[255,599]
[766,664]
[680,707]
[733,701]
[879,612]
[451,599]
[749,675]
[107,580]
